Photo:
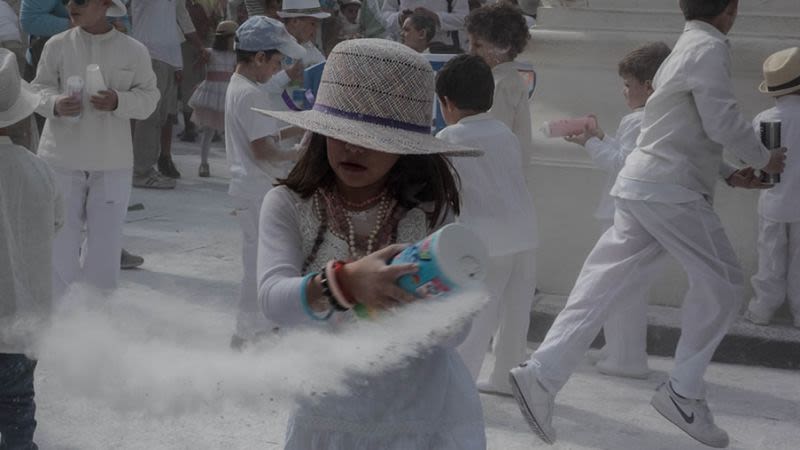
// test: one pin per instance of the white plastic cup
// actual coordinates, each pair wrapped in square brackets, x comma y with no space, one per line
[568,127]
[94,80]
[74,89]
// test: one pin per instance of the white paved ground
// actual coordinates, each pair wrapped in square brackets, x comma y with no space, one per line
[191,243]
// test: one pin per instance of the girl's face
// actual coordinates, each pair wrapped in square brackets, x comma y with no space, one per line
[636,93]
[358,167]
[267,66]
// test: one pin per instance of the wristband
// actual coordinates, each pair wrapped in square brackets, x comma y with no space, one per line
[304,299]
[338,293]
[326,290]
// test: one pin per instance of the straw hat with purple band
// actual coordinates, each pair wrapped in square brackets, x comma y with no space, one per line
[782,73]
[17,100]
[377,94]
[117,9]
[302,8]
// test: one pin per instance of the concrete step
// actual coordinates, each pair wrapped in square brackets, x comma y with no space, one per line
[661,20]
[776,345]
[750,6]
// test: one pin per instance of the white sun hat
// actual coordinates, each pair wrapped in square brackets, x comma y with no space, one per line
[117,9]
[782,73]
[302,8]
[17,100]
[261,33]
[377,94]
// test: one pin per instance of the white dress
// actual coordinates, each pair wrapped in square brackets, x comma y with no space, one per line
[430,403]
[208,100]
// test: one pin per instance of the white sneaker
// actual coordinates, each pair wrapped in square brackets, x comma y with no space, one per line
[607,368]
[595,355]
[535,403]
[756,319]
[691,416]
[487,387]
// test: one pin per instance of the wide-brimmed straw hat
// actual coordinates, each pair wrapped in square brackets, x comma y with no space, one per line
[782,73]
[17,100]
[302,8]
[377,94]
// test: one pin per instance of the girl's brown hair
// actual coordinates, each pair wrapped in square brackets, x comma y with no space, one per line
[414,179]
[500,24]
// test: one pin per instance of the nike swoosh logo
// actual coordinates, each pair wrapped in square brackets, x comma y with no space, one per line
[688,419]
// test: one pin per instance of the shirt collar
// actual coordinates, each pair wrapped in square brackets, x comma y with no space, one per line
[505,67]
[97,37]
[708,29]
[476,118]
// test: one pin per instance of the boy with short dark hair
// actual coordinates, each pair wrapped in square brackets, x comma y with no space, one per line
[664,197]
[497,206]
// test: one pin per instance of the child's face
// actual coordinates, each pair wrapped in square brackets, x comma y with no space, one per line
[88,13]
[413,37]
[303,28]
[358,167]
[266,66]
[636,92]
[350,12]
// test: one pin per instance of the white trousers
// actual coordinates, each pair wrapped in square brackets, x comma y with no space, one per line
[250,319]
[625,329]
[643,231]
[778,276]
[95,203]
[511,282]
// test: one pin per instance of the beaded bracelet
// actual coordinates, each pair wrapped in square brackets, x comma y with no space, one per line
[304,299]
[336,290]
[327,293]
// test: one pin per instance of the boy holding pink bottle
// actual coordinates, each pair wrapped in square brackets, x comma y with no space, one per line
[625,330]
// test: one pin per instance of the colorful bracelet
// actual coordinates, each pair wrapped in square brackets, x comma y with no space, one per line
[338,293]
[325,282]
[304,299]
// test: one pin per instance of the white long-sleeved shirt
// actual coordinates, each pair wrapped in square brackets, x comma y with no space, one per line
[609,155]
[31,212]
[495,201]
[782,202]
[99,140]
[510,106]
[688,121]
[448,21]
[155,24]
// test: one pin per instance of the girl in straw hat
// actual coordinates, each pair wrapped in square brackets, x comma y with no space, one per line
[372,176]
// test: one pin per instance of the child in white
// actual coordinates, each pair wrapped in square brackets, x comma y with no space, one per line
[347,20]
[497,206]
[778,276]
[663,205]
[625,330]
[253,155]
[208,100]
[92,157]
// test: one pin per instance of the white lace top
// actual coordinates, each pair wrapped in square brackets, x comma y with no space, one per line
[430,403]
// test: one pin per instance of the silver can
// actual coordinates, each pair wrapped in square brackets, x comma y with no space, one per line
[771,138]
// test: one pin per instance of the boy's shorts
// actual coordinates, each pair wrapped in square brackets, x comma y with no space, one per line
[168,87]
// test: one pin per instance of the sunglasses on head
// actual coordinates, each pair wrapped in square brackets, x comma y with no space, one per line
[80,2]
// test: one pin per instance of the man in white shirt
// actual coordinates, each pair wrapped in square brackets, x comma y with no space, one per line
[663,205]
[30,214]
[448,14]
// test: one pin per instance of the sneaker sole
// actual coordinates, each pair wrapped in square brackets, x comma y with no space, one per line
[495,392]
[677,424]
[516,392]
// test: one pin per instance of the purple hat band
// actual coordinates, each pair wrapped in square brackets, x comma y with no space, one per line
[366,118]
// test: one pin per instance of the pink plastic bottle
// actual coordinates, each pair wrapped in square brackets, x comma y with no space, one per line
[567,127]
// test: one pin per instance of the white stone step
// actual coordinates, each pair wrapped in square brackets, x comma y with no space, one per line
[664,20]
[746,6]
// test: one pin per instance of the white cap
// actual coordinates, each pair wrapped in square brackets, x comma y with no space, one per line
[262,33]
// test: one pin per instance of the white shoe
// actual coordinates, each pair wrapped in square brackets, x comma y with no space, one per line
[596,355]
[607,368]
[487,387]
[535,403]
[691,416]
[753,318]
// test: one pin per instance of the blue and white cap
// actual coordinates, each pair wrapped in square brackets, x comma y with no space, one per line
[261,33]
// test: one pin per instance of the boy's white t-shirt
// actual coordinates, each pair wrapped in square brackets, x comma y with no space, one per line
[249,179]
[782,202]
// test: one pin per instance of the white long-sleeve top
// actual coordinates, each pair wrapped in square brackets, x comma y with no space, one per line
[99,140]
[31,212]
[510,106]
[782,202]
[609,155]
[688,121]
[495,201]
[448,21]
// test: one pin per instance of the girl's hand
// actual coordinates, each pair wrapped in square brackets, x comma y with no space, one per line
[372,282]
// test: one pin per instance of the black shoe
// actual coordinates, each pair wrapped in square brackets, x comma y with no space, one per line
[167,168]
[217,138]
[204,170]
[130,261]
